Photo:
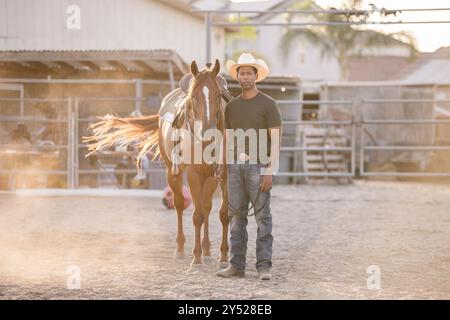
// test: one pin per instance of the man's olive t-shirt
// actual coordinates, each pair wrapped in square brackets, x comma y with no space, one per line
[259,112]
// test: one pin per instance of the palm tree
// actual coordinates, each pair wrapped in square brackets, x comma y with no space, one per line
[245,32]
[343,40]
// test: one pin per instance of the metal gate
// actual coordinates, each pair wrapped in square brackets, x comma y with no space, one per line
[49,123]
[403,146]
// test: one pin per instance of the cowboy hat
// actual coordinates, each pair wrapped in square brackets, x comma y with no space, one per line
[247,59]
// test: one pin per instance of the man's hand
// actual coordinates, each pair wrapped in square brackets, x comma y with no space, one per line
[266,182]
[218,174]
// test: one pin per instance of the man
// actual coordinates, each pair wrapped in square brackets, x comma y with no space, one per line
[247,180]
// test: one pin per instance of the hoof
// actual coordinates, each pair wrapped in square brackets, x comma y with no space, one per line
[195,268]
[179,255]
[208,259]
[222,265]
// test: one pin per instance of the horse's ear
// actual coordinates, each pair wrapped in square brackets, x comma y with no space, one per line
[216,68]
[194,68]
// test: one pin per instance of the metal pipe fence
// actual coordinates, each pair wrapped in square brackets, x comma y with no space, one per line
[365,123]
[72,116]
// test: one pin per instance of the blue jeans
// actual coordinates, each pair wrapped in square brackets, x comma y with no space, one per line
[243,184]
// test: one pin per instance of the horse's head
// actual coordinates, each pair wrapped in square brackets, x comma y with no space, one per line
[204,98]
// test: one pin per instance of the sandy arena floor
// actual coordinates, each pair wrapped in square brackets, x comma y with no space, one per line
[325,238]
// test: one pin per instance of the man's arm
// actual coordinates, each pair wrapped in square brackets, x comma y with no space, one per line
[222,149]
[273,125]
[275,138]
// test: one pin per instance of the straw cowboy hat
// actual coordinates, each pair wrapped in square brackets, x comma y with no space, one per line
[246,59]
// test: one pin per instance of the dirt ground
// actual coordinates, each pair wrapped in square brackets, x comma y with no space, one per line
[326,239]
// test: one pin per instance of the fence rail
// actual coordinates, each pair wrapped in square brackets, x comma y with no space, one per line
[74,115]
[411,148]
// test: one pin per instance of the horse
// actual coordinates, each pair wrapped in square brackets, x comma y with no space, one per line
[203,102]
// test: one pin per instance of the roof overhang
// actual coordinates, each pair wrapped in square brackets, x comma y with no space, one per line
[146,63]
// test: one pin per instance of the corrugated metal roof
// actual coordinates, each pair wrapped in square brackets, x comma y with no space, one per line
[429,67]
[133,60]
[433,71]
[375,68]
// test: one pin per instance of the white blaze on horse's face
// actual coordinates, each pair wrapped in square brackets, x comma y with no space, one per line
[206,93]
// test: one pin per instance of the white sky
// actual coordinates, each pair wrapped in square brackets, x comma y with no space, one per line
[429,36]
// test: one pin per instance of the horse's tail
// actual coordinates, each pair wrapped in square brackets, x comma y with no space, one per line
[141,133]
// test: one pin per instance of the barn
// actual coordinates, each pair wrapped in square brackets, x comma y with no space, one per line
[62,64]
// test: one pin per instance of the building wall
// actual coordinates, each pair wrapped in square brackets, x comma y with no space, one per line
[105,25]
[303,61]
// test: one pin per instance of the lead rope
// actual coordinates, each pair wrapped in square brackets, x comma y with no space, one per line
[215,167]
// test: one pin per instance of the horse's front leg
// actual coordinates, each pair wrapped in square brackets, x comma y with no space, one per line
[224,248]
[209,187]
[195,186]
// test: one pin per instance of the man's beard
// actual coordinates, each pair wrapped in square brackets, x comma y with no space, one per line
[247,85]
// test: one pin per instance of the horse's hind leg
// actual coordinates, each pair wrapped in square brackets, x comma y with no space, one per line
[176,184]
